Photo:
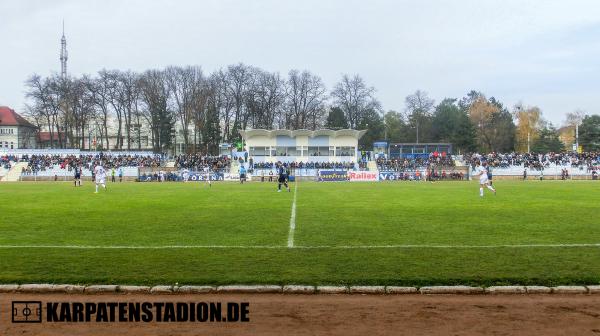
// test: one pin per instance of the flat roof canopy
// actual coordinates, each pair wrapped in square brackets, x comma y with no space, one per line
[292,134]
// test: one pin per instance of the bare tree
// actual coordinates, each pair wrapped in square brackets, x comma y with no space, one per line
[419,107]
[355,98]
[575,119]
[305,100]
[265,98]
[154,97]
[184,86]
[101,89]
[239,77]
[126,98]
[46,98]
[222,100]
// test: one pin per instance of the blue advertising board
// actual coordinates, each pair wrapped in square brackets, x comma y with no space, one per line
[192,176]
[332,175]
[202,176]
[400,176]
[389,176]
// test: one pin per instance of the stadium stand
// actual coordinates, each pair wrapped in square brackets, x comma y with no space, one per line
[59,165]
[199,162]
[301,168]
[45,164]
[564,165]
[414,163]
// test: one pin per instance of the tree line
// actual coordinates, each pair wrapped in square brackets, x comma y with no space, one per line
[473,123]
[207,109]
[204,109]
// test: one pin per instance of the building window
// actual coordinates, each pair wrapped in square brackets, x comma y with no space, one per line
[318,151]
[344,151]
[11,145]
[293,151]
[286,151]
[259,151]
[7,131]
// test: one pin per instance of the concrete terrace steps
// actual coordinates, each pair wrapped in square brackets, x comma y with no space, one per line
[14,174]
[372,166]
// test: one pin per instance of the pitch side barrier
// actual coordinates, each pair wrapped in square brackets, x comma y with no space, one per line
[371,176]
[191,177]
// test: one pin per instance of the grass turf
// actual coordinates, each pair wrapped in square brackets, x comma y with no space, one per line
[328,215]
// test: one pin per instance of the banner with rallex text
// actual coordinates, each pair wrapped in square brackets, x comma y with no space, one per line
[363,175]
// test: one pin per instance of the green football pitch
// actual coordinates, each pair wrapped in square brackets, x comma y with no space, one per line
[390,233]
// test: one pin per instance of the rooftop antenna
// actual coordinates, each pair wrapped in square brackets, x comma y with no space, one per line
[63,53]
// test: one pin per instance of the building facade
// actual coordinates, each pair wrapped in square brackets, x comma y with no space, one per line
[15,131]
[410,150]
[302,145]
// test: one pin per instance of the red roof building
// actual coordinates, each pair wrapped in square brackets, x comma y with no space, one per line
[15,131]
[8,117]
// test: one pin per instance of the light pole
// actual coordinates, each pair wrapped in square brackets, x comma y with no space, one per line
[577,136]
[417,123]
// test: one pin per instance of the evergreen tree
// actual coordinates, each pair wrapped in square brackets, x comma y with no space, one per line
[336,119]
[548,141]
[589,133]
[451,124]
[373,123]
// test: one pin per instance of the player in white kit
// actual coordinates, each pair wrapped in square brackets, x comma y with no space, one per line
[207,172]
[481,171]
[185,175]
[100,174]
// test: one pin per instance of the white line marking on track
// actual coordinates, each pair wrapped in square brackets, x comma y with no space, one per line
[293,218]
[341,247]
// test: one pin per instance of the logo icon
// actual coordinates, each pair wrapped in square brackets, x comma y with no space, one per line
[27,311]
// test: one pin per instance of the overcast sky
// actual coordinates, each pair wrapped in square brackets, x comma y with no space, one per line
[542,52]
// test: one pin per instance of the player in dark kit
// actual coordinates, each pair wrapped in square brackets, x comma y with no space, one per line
[77,177]
[282,172]
[489,173]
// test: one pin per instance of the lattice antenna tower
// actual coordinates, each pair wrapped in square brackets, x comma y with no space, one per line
[63,53]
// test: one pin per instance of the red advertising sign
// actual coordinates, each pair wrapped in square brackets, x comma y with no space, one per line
[363,176]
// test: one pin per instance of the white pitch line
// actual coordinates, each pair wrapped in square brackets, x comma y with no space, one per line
[341,247]
[293,218]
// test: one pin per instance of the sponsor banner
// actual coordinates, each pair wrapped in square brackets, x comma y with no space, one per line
[390,176]
[363,175]
[192,177]
[332,175]
[400,176]
[203,177]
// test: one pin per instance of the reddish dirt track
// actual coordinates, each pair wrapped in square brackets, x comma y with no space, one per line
[276,314]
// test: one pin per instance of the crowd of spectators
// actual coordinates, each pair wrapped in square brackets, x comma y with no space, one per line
[5,161]
[306,165]
[161,176]
[434,175]
[198,162]
[536,161]
[409,164]
[39,163]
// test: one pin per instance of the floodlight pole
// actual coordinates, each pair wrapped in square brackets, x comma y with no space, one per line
[577,137]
